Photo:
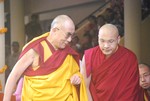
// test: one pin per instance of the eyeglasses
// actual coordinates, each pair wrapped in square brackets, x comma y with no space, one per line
[67,35]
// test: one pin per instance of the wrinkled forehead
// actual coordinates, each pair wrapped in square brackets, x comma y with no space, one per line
[69,27]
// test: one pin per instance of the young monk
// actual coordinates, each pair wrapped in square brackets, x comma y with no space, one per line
[110,70]
[144,72]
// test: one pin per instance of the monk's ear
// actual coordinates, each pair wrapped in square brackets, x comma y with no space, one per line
[118,39]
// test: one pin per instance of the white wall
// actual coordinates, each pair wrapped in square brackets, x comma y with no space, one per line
[36,6]
[48,9]
[77,13]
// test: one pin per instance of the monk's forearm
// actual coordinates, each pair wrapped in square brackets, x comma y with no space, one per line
[9,88]
[8,93]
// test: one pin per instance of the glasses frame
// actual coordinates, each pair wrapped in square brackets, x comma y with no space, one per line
[67,35]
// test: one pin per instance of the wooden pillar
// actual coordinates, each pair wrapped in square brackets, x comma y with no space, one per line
[17,21]
[132,16]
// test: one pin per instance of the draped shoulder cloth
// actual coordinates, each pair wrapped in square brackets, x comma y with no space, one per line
[50,81]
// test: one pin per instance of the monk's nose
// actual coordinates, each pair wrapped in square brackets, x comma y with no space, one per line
[142,78]
[69,39]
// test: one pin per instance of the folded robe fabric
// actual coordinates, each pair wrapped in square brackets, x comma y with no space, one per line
[115,78]
[50,81]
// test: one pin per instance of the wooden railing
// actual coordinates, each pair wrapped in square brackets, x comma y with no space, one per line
[82,25]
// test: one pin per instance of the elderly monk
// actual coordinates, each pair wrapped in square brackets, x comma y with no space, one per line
[49,66]
[144,72]
[110,70]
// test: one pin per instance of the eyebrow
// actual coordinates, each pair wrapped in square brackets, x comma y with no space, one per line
[69,34]
[146,72]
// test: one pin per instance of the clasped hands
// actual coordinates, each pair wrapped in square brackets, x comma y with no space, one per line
[75,79]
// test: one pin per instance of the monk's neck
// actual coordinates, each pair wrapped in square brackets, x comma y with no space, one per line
[52,43]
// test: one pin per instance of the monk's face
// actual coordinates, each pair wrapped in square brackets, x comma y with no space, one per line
[144,73]
[63,35]
[108,40]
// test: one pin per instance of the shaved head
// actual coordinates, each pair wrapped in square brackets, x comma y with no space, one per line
[108,39]
[144,65]
[61,32]
[144,73]
[109,29]
[62,21]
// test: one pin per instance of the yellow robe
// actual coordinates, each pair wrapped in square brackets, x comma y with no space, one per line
[55,86]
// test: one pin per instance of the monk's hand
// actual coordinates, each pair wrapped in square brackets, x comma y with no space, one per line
[75,79]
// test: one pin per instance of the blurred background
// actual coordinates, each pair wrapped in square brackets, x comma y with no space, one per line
[26,19]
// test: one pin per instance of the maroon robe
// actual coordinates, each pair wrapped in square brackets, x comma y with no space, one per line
[52,63]
[115,78]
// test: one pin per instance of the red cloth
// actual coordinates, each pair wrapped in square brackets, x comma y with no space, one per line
[52,63]
[115,78]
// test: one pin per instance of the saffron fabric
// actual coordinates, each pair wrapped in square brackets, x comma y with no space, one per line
[115,78]
[146,96]
[50,81]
